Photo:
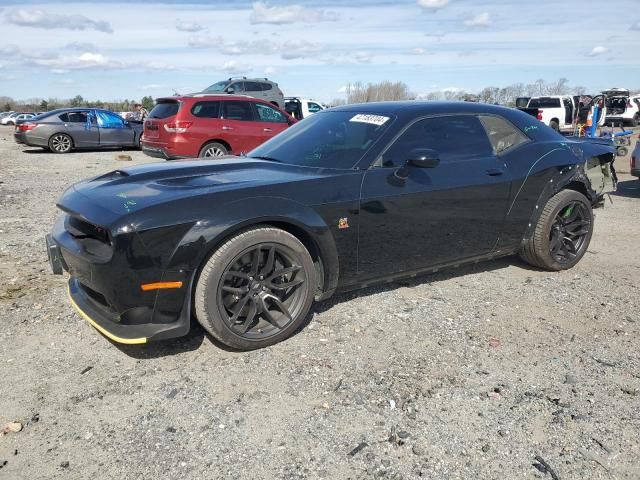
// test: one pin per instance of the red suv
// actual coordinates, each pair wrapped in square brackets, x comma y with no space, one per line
[204,125]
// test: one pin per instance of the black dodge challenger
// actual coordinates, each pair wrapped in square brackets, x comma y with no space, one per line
[348,197]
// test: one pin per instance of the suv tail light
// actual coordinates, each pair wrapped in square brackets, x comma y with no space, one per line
[26,127]
[539,116]
[177,127]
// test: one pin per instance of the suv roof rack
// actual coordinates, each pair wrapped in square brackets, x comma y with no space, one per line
[236,78]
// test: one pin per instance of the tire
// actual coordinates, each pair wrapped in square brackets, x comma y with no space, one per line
[241,300]
[556,229]
[555,125]
[635,120]
[213,150]
[621,151]
[60,143]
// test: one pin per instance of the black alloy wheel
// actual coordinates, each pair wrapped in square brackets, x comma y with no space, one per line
[261,291]
[569,232]
[256,289]
[562,233]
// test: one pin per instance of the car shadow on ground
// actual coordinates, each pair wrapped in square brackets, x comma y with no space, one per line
[628,188]
[196,336]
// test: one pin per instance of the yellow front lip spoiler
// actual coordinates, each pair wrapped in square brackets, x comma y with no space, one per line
[103,331]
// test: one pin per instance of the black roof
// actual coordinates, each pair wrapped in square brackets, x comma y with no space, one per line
[424,107]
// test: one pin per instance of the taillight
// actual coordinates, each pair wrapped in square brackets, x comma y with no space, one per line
[26,127]
[177,127]
[539,116]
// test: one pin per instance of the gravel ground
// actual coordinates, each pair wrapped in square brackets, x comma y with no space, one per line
[491,371]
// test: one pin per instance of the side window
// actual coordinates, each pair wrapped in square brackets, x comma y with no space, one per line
[77,117]
[253,87]
[268,114]
[502,134]
[238,110]
[206,110]
[313,107]
[237,87]
[266,86]
[452,137]
[64,117]
[109,120]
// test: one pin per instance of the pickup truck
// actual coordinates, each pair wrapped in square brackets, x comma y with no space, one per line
[557,111]
[300,108]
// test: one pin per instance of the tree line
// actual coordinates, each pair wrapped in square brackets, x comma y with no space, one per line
[45,105]
[359,92]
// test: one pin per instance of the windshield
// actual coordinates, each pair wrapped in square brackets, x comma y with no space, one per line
[217,87]
[328,139]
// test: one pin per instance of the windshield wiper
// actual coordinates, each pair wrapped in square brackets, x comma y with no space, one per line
[268,159]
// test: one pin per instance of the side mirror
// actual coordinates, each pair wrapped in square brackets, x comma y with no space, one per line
[423,158]
[230,90]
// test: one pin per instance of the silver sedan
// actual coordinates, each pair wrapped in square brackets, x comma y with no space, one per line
[75,128]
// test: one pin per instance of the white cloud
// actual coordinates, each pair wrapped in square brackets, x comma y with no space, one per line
[192,27]
[480,20]
[153,86]
[271,71]
[418,51]
[288,50]
[636,26]
[61,64]
[81,46]
[599,50]
[432,4]
[234,67]
[42,19]
[263,13]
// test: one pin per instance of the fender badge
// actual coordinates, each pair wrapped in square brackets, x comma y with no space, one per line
[343,223]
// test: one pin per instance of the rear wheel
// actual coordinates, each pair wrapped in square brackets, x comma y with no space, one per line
[635,120]
[60,143]
[562,234]
[212,150]
[555,125]
[256,289]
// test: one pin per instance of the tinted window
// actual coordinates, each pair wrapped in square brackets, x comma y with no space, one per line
[237,110]
[206,110]
[268,114]
[313,107]
[253,86]
[266,86]
[237,87]
[331,140]
[74,117]
[453,138]
[502,134]
[544,102]
[165,109]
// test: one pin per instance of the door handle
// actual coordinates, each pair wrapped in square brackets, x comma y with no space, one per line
[267,130]
[224,127]
[495,172]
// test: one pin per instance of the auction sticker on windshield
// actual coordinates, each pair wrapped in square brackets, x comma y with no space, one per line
[373,119]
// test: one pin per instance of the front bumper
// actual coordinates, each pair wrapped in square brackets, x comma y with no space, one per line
[109,326]
[109,295]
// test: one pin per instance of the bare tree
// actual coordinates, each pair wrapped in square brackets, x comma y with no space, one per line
[559,87]
[360,93]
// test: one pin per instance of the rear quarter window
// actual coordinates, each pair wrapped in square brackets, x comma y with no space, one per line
[165,110]
[502,134]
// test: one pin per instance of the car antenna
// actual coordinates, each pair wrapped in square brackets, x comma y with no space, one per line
[175,92]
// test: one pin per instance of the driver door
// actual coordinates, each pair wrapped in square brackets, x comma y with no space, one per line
[438,215]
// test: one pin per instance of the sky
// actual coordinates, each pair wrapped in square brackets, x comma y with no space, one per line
[113,50]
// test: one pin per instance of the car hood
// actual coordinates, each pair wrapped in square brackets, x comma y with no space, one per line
[129,190]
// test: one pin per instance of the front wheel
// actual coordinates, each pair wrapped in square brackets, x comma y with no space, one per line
[60,143]
[256,289]
[562,233]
